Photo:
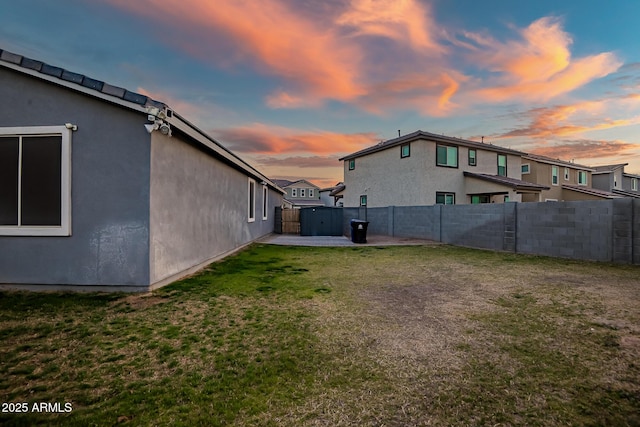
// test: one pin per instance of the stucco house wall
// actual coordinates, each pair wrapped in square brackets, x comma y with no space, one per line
[110,151]
[146,208]
[387,179]
[199,208]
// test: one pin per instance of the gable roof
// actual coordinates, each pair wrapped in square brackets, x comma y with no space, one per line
[608,168]
[516,184]
[557,162]
[421,135]
[284,183]
[130,100]
[590,191]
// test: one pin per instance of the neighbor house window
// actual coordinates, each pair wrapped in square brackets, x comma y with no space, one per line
[35,181]
[252,201]
[447,156]
[502,165]
[566,174]
[363,200]
[352,164]
[472,157]
[525,168]
[265,202]
[634,184]
[582,178]
[554,175]
[294,192]
[443,198]
[311,192]
[302,192]
[480,198]
[405,151]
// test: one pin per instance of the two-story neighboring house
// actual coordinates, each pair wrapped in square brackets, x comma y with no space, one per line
[300,193]
[613,178]
[422,168]
[332,196]
[567,181]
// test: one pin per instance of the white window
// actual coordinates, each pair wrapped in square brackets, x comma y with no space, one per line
[251,215]
[582,178]
[265,202]
[302,192]
[566,174]
[310,192]
[294,192]
[634,184]
[554,175]
[35,181]
[525,168]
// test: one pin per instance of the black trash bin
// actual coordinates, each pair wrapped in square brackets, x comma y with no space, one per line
[359,231]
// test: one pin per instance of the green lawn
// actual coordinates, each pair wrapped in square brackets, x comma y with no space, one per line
[290,336]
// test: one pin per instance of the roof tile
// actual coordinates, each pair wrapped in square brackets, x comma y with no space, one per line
[32,64]
[134,97]
[113,90]
[92,83]
[71,77]
[51,70]
[11,57]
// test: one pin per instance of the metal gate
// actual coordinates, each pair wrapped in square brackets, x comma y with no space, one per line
[321,221]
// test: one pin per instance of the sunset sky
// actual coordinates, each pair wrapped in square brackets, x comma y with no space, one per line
[292,85]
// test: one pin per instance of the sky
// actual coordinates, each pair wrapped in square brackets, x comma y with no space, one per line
[293,85]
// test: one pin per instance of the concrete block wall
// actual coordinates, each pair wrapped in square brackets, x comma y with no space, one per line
[636,230]
[599,230]
[622,230]
[579,230]
[478,226]
[420,222]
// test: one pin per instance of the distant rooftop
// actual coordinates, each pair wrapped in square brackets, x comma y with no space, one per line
[419,134]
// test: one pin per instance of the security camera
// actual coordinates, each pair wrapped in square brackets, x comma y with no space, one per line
[165,129]
[71,126]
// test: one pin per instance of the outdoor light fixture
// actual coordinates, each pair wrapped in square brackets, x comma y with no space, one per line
[157,116]
[71,126]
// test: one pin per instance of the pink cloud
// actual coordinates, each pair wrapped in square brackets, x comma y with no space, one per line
[588,149]
[538,66]
[404,21]
[259,138]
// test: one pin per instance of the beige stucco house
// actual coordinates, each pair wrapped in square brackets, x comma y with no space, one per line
[422,168]
[566,181]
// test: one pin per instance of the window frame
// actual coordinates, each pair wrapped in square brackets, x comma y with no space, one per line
[567,174]
[64,229]
[310,193]
[474,158]
[265,202]
[555,173]
[503,156]
[352,164]
[522,171]
[445,194]
[634,184]
[447,147]
[402,153]
[251,200]
[583,174]
[363,200]
[294,192]
[302,193]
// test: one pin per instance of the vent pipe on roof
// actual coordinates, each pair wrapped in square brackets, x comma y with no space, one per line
[398,133]
[482,139]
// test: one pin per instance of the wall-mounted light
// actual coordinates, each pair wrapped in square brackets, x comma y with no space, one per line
[71,126]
